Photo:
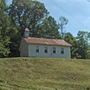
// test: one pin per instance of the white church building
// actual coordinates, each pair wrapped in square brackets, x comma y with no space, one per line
[42,47]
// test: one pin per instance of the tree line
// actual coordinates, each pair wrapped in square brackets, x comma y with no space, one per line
[21,14]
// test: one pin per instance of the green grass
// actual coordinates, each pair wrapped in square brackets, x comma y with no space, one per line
[44,74]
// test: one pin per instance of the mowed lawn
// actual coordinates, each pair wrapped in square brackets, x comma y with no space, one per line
[44,74]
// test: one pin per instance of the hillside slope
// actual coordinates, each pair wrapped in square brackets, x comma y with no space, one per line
[44,74]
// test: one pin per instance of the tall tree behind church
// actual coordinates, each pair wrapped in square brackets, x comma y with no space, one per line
[82,42]
[32,15]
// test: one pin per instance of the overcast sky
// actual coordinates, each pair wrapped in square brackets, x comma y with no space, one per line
[76,11]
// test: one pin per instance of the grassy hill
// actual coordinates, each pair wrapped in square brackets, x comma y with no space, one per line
[44,74]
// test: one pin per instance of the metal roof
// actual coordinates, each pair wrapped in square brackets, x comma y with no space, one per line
[44,41]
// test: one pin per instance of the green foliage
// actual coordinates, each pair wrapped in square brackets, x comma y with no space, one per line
[4,51]
[27,14]
[33,15]
[82,42]
[72,40]
[2,4]
[7,31]
[4,38]
[80,47]
[49,28]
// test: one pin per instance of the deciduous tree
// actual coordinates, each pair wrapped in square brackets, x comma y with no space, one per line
[4,38]
[72,40]
[82,38]
[34,16]
[62,22]
[27,14]
[49,28]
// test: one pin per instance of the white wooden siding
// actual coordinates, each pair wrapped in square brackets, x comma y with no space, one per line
[32,51]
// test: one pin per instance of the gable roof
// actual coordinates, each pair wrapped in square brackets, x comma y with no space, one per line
[44,41]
